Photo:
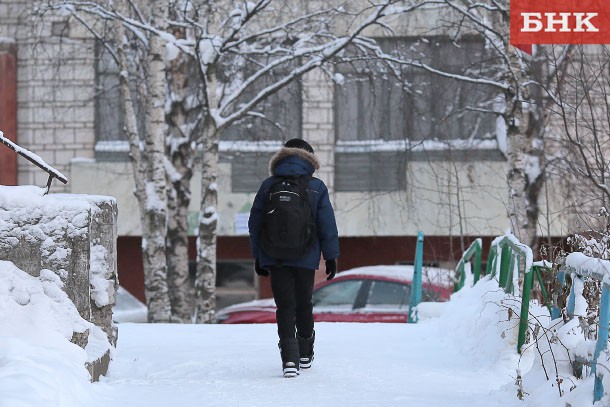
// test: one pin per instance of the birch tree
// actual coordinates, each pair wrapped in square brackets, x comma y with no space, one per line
[147,153]
[525,89]
[270,36]
[218,37]
[581,116]
[159,167]
[521,81]
[183,118]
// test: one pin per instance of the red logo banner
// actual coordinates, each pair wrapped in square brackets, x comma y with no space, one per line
[559,22]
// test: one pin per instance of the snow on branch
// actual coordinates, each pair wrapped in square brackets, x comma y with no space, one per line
[34,159]
[417,64]
[314,57]
[244,16]
[138,28]
[477,20]
[481,81]
[279,28]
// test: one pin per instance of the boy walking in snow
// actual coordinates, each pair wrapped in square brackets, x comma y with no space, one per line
[291,222]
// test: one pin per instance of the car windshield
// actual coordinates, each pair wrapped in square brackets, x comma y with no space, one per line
[341,294]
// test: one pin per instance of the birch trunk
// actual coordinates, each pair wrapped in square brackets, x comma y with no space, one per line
[154,231]
[205,280]
[148,168]
[181,298]
[525,120]
[179,193]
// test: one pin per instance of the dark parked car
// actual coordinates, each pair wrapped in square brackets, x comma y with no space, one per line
[365,294]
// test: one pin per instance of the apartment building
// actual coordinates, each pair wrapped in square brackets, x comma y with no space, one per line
[397,159]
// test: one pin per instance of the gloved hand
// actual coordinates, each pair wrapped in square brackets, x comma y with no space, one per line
[331,268]
[260,271]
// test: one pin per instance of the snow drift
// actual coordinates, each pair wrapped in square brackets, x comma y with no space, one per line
[39,366]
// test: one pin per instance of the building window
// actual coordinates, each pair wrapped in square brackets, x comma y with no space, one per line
[234,283]
[373,171]
[111,144]
[382,118]
[277,118]
[247,144]
[250,142]
[248,169]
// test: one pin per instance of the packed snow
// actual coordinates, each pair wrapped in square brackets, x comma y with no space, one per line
[463,354]
[102,285]
[430,274]
[38,364]
[599,267]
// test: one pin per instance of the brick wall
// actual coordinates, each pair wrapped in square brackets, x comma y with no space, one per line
[55,88]
[318,122]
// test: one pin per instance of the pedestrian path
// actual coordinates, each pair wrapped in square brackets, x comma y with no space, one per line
[355,365]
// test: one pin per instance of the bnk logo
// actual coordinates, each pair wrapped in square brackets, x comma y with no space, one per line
[559,22]
[563,22]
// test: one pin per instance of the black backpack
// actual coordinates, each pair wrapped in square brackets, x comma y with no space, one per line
[288,227]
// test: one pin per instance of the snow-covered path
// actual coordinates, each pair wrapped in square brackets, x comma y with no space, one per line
[355,365]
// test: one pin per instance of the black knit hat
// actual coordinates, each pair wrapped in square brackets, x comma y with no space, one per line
[299,143]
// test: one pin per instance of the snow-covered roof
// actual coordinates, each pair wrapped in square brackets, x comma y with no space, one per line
[267,304]
[401,272]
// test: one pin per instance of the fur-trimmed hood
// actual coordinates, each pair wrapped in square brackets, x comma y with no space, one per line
[286,152]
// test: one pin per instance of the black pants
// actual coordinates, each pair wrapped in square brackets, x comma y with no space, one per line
[292,288]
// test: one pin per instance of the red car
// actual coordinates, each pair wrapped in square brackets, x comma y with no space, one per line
[365,294]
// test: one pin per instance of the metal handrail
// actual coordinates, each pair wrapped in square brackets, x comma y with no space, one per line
[526,295]
[474,250]
[36,160]
[511,250]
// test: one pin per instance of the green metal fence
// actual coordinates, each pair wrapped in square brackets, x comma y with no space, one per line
[416,285]
[509,260]
[513,256]
[474,250]
[599,270]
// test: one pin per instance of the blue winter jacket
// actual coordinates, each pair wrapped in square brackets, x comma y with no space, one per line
[296,162]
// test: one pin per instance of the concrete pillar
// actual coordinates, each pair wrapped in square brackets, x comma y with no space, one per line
[318,122]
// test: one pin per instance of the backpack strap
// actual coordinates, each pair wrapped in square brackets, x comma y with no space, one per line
[304,183]
[301,180]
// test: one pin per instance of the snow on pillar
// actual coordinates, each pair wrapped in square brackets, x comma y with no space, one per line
[73,236]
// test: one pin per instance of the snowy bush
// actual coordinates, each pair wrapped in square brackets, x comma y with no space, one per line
[553,373]
[564,347]
[484,322]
